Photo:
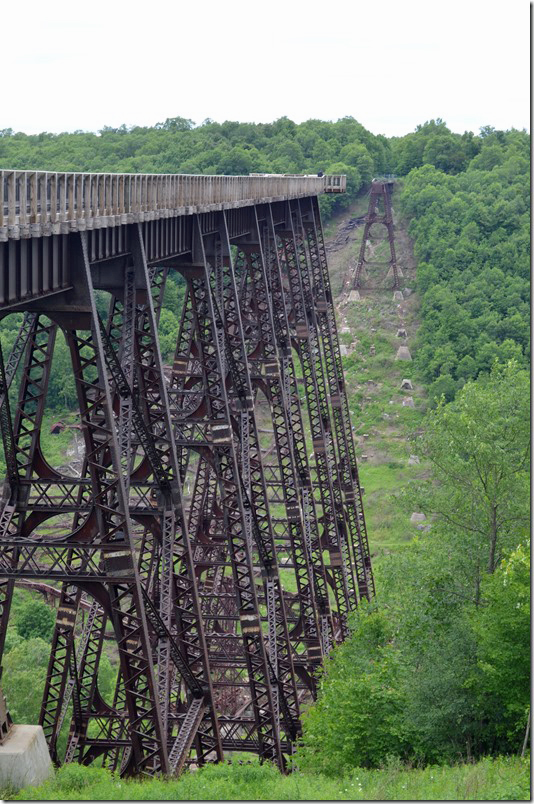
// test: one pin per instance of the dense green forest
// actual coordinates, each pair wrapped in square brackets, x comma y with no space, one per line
[472,242]
[438,666]
[232,148]
[468,197]
[437,669]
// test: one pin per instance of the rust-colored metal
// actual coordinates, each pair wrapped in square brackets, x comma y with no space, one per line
[196,502]
[379,212]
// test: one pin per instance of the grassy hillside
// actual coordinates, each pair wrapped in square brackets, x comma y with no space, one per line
[368,328]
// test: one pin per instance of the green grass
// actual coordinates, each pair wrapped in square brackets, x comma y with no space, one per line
[503,778]
[54,447]
[373,378]
[388,524]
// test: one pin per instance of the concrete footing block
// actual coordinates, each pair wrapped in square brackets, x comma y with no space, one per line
[403,353]
[24,757]
[397,295]
[354,295]
[390,274]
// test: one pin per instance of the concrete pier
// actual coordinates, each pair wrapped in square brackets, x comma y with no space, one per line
[24,758]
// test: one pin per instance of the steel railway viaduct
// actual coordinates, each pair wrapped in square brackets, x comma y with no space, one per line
[223,601]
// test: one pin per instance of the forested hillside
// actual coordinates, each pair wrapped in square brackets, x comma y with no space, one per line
[467,196]
[437,668]
[178,146]
[472,242]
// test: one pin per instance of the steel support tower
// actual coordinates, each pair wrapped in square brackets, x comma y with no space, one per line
[379,212]
[215,533]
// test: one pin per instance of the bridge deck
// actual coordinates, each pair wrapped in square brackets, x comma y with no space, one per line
[37,204]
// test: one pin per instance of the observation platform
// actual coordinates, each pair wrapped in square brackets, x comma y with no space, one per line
[40,204]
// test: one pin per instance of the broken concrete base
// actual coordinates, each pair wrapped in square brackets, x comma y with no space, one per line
[390,273]
[24,758]
[403,353]
[406,385]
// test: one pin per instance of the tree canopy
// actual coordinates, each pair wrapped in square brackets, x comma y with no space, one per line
[471,236]
[438,667]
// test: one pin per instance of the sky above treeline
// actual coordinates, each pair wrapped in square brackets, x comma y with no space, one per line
[391,64]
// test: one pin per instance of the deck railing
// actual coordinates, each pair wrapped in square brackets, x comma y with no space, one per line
[35,203]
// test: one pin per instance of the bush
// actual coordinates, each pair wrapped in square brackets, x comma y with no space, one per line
[358,718]
[35,619]
[24,677]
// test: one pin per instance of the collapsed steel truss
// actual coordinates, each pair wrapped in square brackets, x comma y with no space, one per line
[216,527]
[379,211]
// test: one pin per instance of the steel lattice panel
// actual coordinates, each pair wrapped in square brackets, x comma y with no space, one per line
[197,503]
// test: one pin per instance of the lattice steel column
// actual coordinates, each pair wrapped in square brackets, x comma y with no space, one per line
[266,367]
[300,305]
[329,344]
[179,599]
[262,533]
[380,192]
[339,401]
[223,455]
[298,439]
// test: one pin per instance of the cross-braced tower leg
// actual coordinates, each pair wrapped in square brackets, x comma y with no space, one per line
[214,654]
[304,338]
[379,212]
[346,457]
[267,376]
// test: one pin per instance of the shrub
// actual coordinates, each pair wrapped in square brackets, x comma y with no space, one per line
[35,619]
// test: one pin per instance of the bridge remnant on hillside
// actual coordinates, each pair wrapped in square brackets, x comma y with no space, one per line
[379,212]
[220,555]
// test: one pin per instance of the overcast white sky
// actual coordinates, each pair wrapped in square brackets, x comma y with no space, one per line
[391,64]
